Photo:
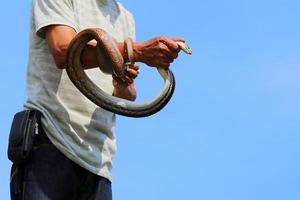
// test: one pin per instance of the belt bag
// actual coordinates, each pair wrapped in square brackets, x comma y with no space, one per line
[24,127]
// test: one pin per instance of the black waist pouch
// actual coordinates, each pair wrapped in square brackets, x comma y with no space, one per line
[24,128]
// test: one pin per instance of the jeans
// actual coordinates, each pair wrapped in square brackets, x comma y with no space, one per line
[49,175]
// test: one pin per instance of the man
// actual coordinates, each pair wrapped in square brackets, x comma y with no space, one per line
[72,158]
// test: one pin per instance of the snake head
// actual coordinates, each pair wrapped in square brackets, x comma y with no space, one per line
[184,47]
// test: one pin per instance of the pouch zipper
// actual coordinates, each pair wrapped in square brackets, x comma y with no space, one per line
[36,130]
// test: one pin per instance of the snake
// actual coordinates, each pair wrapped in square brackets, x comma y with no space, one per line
[112,62]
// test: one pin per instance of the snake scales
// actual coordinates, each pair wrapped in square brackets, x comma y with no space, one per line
[112,62]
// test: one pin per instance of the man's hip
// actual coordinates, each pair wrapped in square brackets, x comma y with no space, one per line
[49,175]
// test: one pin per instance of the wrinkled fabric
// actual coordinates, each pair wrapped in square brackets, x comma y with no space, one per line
[80,130]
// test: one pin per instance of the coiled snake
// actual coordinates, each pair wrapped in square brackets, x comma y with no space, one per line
[112,62]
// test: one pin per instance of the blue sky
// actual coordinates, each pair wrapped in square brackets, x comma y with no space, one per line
[231,131]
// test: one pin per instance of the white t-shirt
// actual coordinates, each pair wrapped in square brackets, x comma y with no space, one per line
[81,130]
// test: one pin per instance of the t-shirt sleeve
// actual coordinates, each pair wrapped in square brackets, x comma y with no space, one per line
[52,12]
[132,31]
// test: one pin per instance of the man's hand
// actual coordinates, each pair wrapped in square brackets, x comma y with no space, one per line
[124,87]
[157,52]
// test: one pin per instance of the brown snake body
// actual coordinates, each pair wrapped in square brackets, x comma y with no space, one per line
[112,62]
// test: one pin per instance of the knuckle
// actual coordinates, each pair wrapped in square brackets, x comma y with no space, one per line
[161,38]
[161,46]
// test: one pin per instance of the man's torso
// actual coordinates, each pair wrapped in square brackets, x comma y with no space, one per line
[77,127]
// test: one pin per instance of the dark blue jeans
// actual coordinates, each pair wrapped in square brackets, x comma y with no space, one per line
[49,175]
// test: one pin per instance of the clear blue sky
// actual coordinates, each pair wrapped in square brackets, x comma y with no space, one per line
[232,129]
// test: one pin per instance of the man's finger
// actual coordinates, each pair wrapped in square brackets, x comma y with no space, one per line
[172,45]
[172,55]
[163,47]
[117,82]
[178,39]
[135,67]
[166,52]
[132,73]
[127,80]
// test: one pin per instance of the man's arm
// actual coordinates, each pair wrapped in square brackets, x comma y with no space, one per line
[59,37]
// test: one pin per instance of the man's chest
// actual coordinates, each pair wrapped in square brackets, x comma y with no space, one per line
[101,14]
